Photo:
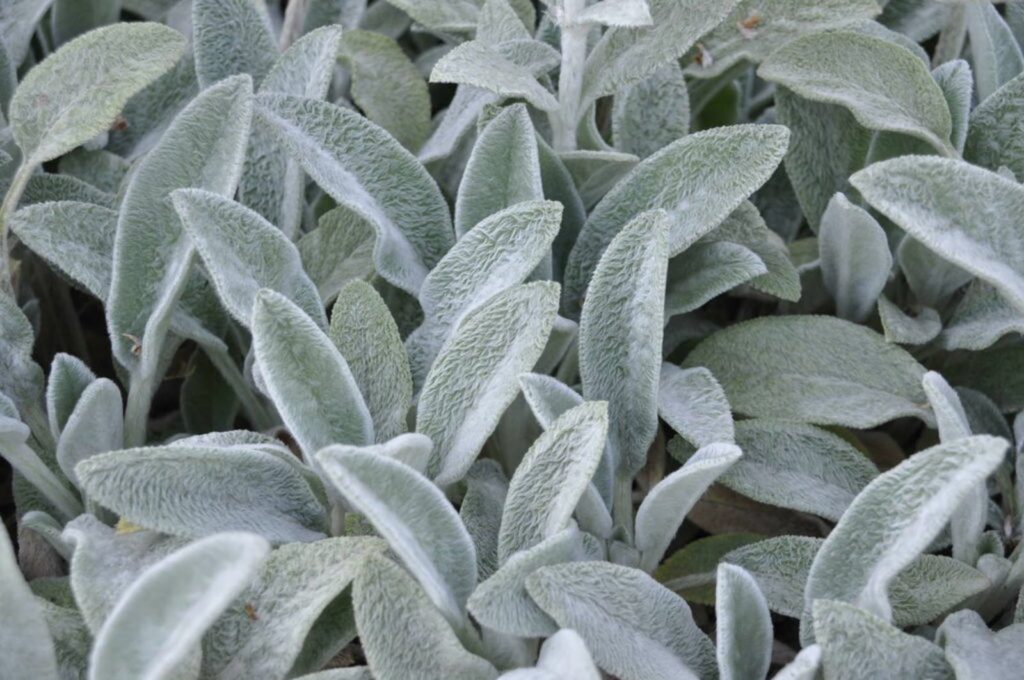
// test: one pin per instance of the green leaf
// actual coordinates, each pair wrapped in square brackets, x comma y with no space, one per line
[827,145]
[457,16]
[743,625]
[473,380]
[855,258]
[69,19]
[272,183]
[387,87]
[502,170]
[403,635]
[25,641]
[933,279]
[961,212]
[928,588]
[244,253]
[502,603]
[635,628]
[349,157]
[728,163]
[481,509]
[96,425]
[262,632]
[474,63]
[496,254]
[77,92]
[842,68]
[995,137]
[18,19]
[365,333]
[651,113]
[974,651]
[203,148]
[980,319]
[620,336]
[68,379]
[690,571]
[417,521]
[44,188]
[21,379]
[796,466]
[307,377]
[856,644]
[547,397]
[231,37]
[693,404]
[957,84]
[539,504]
[626,55]
[180,489]
[813,369]
[995,53]
[663,510]
[105,562]
[75,238]
[904,329]
[756,28]
[150,636]
[895,518]
[337,251]
[704,271]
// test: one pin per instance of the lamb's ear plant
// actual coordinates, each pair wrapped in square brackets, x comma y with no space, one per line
[480,339]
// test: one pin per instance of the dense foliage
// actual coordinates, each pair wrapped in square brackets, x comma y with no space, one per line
[467,339]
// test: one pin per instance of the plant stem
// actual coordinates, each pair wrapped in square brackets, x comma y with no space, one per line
[11,199]
[144,376]
[570,77]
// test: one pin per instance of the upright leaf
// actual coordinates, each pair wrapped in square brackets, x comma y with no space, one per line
[813,369]
[244,253]
[652,113]
[975,651]
[203,148]
[360,165]
[473,381]
[272,182]
[387,87]
[842,68]
[995,53]
[620,336]
[538,504]
[743,625]
[402,633]
[693,404]
[728,163]
[417,521]
[307,378]
[664,509]
[995,137]
[77,92]
[96,425]
[365,333]
[502,170]
[149,636]
[231,37]
[894,519]
[496,254]
[855,258]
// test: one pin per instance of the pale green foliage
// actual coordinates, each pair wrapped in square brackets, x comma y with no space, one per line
[60,105]
[831,372]
[481,339]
